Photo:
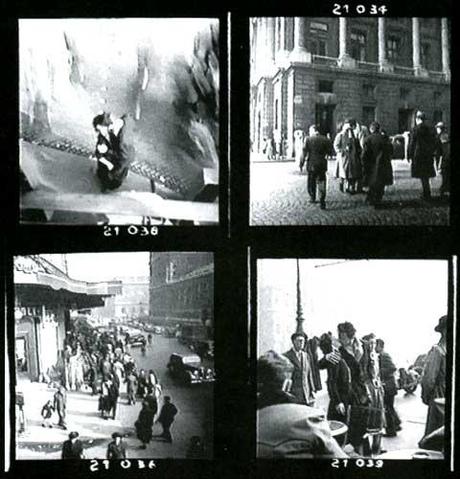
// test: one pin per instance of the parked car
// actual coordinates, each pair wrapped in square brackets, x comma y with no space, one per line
[137,340]
[188,369]
[158,329]
[169,332]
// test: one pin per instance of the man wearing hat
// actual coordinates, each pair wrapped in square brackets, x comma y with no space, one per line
[73,447]
[303,385]
[421,152]
[434,379]
[443,157]
[116,449]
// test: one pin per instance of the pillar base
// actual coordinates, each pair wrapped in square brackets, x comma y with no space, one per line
[300,55]
[386,67]
[421,72]
[447,75]
[282,59]
[345,61]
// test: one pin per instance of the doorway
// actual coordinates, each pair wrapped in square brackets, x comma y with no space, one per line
[324,118]
[405,120]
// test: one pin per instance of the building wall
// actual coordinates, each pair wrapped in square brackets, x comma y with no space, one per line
[296,85]
[25,328]
[188,293]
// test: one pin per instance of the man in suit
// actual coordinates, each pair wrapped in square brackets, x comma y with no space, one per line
[73,447]
[387,374]
[302,377]
[376,158]
[315,151]
[421,152]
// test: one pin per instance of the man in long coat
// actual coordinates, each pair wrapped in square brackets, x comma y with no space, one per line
[348,150]
[376,158]
[303,386]
[60,405]
[316,150]
[166,418]
[421,151]
[390,389]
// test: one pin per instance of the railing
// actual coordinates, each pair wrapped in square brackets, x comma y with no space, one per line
[373,67]
[399,70]
[323,60]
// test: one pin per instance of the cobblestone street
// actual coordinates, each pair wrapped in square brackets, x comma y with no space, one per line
[279,197]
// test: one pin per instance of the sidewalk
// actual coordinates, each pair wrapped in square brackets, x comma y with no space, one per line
[38,442]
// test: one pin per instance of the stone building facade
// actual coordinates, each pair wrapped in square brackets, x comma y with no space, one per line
[181,287]
[320,71]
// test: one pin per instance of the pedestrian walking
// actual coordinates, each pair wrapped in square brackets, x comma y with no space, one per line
[348,150]
[317,148]
[376,159]
[114,393]
[131,384]
[421,152]
[105,400]
[166,418]
[144,425]
[117,448]
[390,389]
[443,157]
[73,447]
[60,406]
[47,413]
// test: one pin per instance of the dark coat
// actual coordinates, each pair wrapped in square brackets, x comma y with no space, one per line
[338,386]
[168,411]
[315,150]
[47,411]
[116,451]
[376,158]
[422,146]
[72,450]
[303,385]
[60,403]
[144,425]
[387,374]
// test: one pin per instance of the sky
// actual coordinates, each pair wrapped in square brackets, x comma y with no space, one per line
[104,266]
[398,300]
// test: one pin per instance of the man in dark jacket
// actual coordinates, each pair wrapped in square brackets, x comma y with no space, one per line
[376,159]
[338,380]
[60,405]
[117,448]
[73,447]
[421,151]
[166,418]
[114,148]
[315,152]
[387,375]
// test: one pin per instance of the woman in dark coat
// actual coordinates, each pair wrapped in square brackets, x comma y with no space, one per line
[144,424]
[376,158]
[338,380]
[421,150]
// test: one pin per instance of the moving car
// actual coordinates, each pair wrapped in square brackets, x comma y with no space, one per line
[188,369]
[137,340]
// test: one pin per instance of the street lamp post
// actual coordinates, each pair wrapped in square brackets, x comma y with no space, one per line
[299,314]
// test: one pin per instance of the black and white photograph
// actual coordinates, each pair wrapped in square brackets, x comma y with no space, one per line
[350,121]
[119,121]
[352,358]
[114,355]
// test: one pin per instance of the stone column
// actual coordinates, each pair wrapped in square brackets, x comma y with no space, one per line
[270,39]
[344,60]
[384,65]
[445,48]
[300,53]
[416,54]
[281,56]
